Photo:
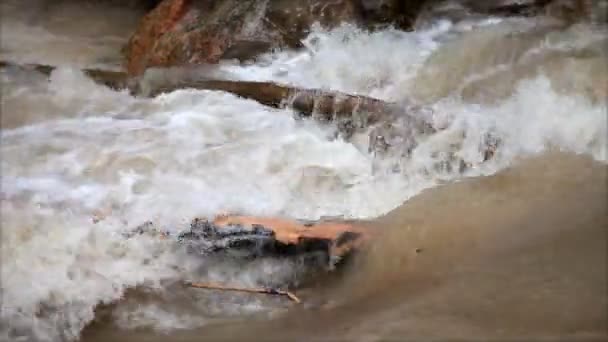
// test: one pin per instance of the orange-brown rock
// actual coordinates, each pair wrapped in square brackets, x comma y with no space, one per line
[182,32]
[152,26]
[342,237]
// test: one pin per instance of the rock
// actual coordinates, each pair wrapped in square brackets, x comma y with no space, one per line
[179,32]
[293,19]
[155,25]
[244,50]
[251,236]
[400,13]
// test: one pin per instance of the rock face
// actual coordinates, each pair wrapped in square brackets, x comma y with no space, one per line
[186,32]
[182,32]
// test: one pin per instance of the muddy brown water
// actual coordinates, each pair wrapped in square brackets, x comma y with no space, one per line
[520,255]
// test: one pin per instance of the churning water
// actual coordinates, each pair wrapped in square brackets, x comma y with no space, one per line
[73,150]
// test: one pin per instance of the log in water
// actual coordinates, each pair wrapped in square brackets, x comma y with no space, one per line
[332,106]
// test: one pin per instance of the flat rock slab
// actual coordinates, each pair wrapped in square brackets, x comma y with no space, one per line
[264,236]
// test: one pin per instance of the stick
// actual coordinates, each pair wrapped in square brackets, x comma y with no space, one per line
[351,110]
[268,291]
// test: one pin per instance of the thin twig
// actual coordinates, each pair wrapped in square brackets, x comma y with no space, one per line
[268,291]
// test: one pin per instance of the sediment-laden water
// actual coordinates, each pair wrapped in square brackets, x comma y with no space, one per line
[510,247]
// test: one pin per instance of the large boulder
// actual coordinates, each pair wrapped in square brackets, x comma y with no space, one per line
[181,32]
[185,32]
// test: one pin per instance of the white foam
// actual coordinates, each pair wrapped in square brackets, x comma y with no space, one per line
[347,59]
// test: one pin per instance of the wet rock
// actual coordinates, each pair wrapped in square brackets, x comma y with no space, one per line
[399,134]
[250,237]
[180,32]
[155,41]
[204,238]
[293,19]
[399,13]
[245,50]
[186,32]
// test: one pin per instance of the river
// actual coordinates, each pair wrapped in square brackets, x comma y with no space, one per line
[513,247]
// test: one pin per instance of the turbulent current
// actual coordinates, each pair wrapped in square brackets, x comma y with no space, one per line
[73,151]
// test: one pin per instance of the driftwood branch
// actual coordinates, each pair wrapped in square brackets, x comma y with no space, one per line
[268,291]
[331,105]
[352,111]
[349,112]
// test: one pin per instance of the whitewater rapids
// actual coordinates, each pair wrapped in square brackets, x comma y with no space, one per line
[72,150]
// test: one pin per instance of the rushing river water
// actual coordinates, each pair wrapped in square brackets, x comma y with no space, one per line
[512,247]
